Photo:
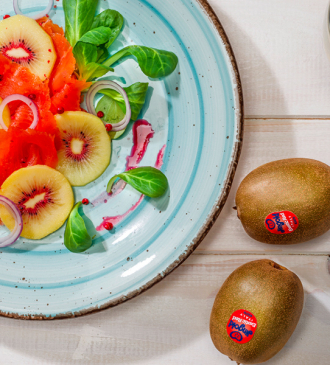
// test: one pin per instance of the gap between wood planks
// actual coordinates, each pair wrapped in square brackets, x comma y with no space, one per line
[287,117]
[256,253]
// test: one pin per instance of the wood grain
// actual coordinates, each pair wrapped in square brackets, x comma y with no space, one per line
[279,49]
[285,73]
[268,140]
[169,323]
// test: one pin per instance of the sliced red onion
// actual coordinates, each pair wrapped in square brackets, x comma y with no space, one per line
[100,85]
[16,232]
[35,17]
[24,99]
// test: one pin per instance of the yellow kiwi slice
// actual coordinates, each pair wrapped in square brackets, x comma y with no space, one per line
[86,147]
[6,115]
[22,40]
[44,197]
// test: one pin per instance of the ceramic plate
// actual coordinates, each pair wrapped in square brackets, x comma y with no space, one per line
[196,113]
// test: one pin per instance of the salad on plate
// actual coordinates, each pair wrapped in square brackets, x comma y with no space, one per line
[48,141]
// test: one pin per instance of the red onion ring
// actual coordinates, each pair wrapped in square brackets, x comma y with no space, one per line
[99,85]
[25,100]
[16,232]
[35,17]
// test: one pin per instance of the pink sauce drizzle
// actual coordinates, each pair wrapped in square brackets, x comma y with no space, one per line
[142,133]
[160,158]
[118,218]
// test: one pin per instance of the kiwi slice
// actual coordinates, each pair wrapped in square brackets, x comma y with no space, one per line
[44,197]
[23,41]
[85,147]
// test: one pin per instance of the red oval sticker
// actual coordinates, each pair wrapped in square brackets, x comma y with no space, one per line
[281,222]
[241,326]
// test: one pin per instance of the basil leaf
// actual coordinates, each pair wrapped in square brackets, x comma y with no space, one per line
[113,104]
[153,62]
[147,180]
[111,19]
[76,237]
[79,16]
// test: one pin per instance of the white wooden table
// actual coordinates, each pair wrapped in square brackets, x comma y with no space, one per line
[286,83]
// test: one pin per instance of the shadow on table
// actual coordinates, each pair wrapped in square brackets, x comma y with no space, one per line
[167,318]
[314,323]
[159,326]
[259,147]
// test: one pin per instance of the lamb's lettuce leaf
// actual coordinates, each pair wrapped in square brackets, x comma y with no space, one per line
[76,237]
[154,63]
[87,58]
[79,17]
[111,19]
[113,106]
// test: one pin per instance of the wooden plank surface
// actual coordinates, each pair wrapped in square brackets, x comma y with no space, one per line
[169,323]
[279,50]
[268,140]
[286,77]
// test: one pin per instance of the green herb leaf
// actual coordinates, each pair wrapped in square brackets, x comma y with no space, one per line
[76,237]
[147,180]
[86,55]
[111,19]
[94,70]
[153,62]
[114,108]
[79,16]
[113,114]
[102,54]
[97,36]
[136,95]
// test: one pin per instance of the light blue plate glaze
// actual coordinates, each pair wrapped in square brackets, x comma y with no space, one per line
[197,112]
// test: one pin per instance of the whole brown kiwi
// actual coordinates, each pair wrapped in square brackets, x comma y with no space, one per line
[297,185]
[266,290]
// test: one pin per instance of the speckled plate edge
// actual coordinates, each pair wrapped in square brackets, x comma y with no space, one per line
[217,208]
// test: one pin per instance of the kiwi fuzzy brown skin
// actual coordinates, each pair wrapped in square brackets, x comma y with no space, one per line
[298,185]
[273,294]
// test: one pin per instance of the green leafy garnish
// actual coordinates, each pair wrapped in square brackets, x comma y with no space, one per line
[111,19]
[147,180]
[153,62]
[88,57]
[79,17]
[90,36]
[113,106]
[97,36]
[76,237]
[136,95]
[113,114]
